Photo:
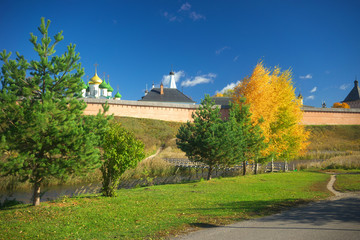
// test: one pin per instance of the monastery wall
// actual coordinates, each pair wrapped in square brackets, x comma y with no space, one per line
[331,116]
[153,110]
[183,112]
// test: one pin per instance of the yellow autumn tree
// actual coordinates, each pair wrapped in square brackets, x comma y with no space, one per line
[340,105]
[271,96]
[226,93]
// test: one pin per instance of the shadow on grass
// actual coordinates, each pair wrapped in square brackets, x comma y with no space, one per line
[317,213]
[203,225]
[253,207]
[227,213]
[86,196]
[12,204]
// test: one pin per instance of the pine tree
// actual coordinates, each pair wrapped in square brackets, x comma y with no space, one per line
[206,138]
[42,128]
[249,142]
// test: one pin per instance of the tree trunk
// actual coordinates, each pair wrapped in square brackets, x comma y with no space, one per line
[244,168]
[209,173]
[272,164]
[256,168]
[36,194]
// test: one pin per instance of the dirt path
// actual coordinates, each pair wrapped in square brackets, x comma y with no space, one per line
[338,195]
[330,186]
[155,154]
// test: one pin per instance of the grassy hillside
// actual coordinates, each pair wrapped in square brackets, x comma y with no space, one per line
[153,133]
[334,138]
[156,133]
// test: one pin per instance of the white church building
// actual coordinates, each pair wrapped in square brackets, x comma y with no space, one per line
[98,88]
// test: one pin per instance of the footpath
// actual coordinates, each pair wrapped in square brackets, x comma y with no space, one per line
[335,218]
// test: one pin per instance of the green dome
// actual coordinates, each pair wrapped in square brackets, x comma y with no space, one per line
[110,89]
[103,85]
[117,95]
[83,85]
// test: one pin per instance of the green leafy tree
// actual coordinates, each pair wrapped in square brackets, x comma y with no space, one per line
[43,132]
[207,138]
[121,151]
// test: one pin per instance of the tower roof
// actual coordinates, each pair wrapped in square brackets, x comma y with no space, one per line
[117,95]
[172,80]
[169,95]
[354,93]
[83,84]
[95,79]
[110,89]
[103,85]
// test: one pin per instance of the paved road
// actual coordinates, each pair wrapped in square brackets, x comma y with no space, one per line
[338,218]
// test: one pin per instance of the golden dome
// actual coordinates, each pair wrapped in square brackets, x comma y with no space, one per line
[95,79]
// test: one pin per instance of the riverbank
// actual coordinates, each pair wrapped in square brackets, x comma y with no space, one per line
[326,142]
[158,211]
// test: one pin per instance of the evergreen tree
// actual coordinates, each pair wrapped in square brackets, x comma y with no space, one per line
[207,138]
[249,138]
[41,124]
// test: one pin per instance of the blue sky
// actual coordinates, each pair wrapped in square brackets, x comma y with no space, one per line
[211,44]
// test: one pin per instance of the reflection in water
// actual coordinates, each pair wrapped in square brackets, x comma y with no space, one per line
[54,192]
[51,193]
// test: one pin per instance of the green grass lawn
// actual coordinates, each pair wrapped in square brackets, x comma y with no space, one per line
[158,211]
[347,182]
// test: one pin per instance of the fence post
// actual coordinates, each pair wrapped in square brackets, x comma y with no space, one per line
[286,167]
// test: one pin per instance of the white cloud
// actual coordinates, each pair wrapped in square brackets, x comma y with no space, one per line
[219,51]
[313,90]
[185,7]
[311,97]
[236,58]
[183,12]
[344,86]
[196,16]
[308,76]
[177,75]
[174,18]
[206,78]
[171,17]
[229,86]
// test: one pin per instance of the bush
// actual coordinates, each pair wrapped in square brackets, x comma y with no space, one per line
[122,151]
